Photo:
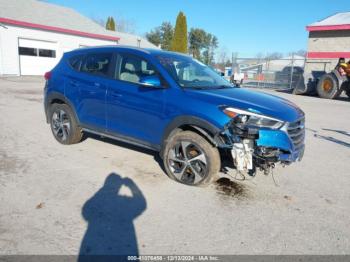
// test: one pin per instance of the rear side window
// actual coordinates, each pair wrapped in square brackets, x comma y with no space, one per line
[75,62]
[97,64]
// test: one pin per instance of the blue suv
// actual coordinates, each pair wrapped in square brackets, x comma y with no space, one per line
[171,103]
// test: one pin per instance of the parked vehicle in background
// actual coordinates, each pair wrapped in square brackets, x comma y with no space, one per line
[173,104]
[237,79]
[289,76]
[332,84]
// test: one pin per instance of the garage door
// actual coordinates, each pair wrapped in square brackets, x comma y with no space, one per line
[36,57]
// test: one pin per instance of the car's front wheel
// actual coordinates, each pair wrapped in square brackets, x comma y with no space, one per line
[64,126]
[190,159]
[348,92]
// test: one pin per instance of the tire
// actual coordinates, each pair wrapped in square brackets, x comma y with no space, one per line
[64,125]
[197,165]
[347,91]
[328,87]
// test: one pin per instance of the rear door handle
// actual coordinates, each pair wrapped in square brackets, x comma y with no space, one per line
[98,85]
[73,83]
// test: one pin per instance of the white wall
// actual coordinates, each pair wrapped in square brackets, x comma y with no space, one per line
[1,52]
[9,45]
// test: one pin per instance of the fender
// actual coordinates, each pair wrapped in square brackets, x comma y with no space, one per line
[203,126]
[55,95]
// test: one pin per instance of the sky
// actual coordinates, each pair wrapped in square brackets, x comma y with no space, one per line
[247,27]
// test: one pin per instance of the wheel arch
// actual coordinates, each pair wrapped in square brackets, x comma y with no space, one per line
[58,98]
[190,123]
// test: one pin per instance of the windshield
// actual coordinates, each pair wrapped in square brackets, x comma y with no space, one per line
[190,73]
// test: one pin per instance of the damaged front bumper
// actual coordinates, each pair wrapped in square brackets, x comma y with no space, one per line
[261,148]
[281,140]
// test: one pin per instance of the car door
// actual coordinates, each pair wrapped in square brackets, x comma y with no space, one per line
[92,82]
[135,110]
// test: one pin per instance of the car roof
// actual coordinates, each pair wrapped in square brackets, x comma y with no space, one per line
[132,49]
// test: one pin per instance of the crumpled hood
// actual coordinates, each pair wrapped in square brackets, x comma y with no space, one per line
[253,101]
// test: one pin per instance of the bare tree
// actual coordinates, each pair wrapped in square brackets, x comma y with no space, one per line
[122,24]
[222,58]
[222,55]
[125,25]
[300,52]
[99,21]
[274,55]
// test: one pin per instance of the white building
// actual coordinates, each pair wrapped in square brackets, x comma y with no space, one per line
[34,35]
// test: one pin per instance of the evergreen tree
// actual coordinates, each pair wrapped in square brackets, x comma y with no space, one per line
[167,32]
[202,45]
[108,23]
[198,39]
[155,36]
[179,42]
[161,36]
[112,24]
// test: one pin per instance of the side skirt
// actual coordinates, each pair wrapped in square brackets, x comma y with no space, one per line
[124,139]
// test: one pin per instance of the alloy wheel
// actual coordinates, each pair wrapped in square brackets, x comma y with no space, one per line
[187,162]
[61,125]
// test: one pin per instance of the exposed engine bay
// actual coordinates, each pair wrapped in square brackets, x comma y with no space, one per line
[245,141]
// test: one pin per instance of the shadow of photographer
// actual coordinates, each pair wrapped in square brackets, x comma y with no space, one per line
[110,219]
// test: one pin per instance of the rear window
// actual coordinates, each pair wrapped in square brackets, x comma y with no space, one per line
[97,64]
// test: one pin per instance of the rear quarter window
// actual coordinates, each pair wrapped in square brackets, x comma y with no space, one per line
[97,64]
[75,62]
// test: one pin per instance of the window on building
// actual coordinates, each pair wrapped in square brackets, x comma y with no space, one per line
[97,64]
[47,53]
[29,51]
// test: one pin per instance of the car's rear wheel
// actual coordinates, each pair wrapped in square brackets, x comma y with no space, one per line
[64,126]
[190,159]
[328,87]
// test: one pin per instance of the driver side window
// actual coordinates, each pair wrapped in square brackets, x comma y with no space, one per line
[133,68]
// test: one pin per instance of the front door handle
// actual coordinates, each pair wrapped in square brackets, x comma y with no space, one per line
[116,94]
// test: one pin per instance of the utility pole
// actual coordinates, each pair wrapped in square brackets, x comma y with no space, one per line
[291,72]
[232,62]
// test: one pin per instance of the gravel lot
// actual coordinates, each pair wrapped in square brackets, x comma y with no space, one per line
[57,199]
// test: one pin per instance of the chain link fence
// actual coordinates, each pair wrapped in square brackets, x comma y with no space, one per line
[283,73]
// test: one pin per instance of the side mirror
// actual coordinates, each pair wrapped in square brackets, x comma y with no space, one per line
[151,81]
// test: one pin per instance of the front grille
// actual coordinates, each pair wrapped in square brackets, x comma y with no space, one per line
[296,131]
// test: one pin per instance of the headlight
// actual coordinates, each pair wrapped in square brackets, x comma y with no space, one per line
[247,118]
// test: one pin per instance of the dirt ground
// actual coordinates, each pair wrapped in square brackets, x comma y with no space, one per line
[101,196]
